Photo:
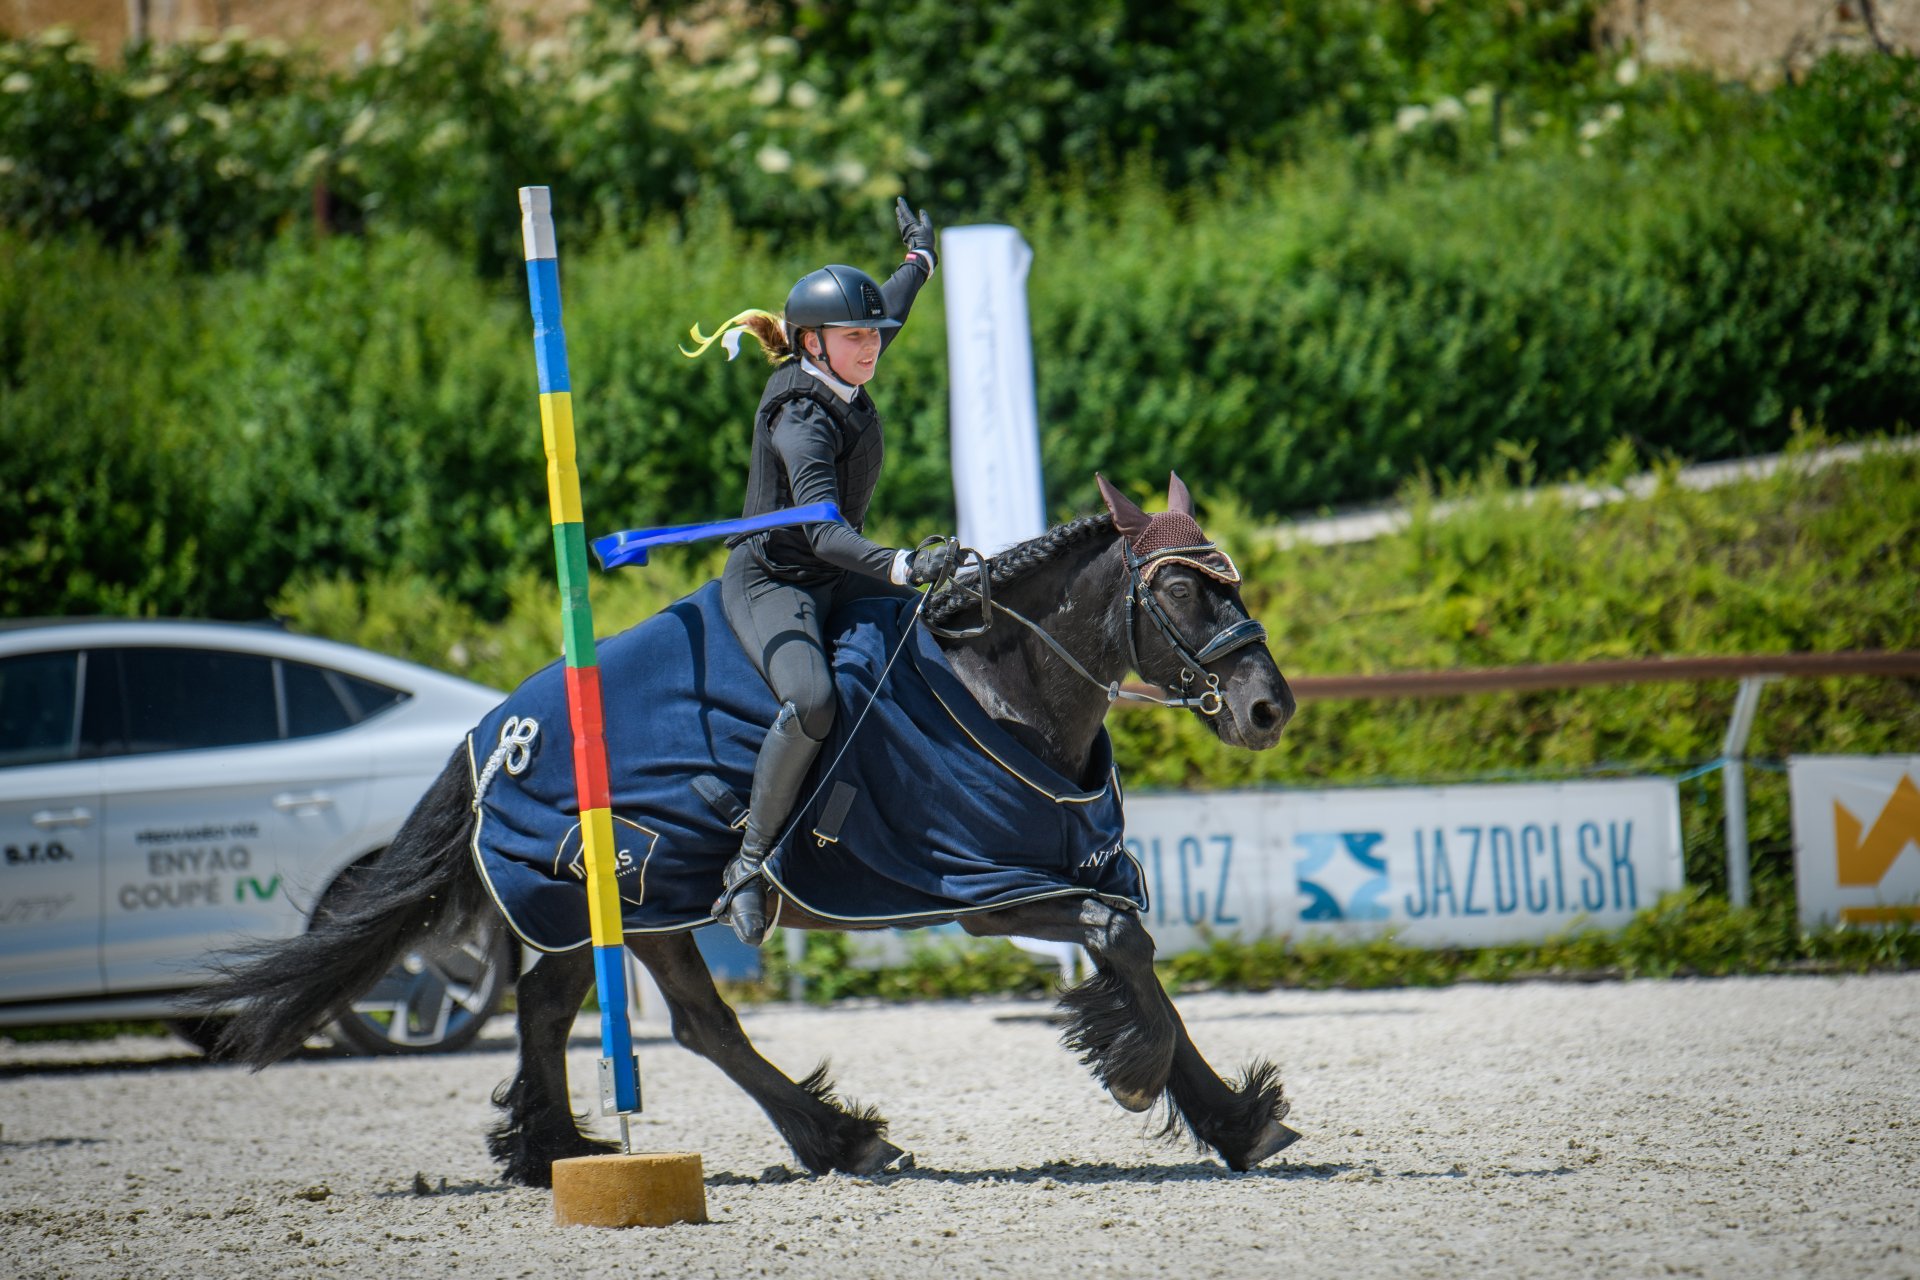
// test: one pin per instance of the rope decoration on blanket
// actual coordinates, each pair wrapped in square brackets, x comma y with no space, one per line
[515,752]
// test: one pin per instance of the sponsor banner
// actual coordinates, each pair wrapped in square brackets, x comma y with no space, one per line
[1465,866]
[1856,838]
[994,425]
[1437,866]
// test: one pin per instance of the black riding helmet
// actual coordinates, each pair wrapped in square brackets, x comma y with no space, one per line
[837,297]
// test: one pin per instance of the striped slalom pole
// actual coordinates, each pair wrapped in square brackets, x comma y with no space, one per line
[619,1065]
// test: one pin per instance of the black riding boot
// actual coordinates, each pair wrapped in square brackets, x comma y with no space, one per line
[777,778]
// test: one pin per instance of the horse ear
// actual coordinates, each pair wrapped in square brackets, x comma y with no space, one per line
[1129,519]
[1178,499]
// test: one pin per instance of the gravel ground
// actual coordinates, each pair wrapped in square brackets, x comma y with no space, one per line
[1739,1127]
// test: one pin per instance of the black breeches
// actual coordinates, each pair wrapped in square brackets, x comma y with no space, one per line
[779,624]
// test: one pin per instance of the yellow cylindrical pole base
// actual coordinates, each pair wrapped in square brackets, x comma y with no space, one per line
[652,1190]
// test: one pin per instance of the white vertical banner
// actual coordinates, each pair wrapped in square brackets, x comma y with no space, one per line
[1856,838]
[994,422]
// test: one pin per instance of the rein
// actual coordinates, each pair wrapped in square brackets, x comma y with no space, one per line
[1139,597]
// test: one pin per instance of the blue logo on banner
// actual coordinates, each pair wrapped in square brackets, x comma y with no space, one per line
[1341,876]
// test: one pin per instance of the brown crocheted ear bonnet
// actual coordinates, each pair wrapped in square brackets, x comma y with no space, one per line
[1166,536]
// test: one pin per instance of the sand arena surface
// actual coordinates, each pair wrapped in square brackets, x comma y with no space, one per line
[1744,1127]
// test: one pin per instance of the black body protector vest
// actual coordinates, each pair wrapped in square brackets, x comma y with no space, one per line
[786,553]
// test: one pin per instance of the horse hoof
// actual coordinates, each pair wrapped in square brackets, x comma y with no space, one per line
[1274,1139]
[880,1156]
[1133,1101]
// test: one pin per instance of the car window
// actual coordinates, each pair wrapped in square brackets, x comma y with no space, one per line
[103,712]
[38,698]
[316,702]
[368,698]
[188,699]
[313,705]
[321,701]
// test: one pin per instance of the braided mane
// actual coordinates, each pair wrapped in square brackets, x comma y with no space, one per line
[1019,560]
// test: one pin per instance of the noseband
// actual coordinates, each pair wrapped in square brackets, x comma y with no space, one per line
[1140,600]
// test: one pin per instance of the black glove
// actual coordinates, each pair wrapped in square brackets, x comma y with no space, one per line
[933,562]
[915,233]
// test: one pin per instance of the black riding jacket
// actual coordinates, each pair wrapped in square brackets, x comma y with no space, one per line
[811,446]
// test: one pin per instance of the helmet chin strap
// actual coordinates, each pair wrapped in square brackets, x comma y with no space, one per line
[826,360]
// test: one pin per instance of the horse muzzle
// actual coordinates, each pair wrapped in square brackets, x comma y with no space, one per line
[1258,707]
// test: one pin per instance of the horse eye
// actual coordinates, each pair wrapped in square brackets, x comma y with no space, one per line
[1180,590]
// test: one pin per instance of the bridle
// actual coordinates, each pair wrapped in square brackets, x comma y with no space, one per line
[1140,600]
[1193,662]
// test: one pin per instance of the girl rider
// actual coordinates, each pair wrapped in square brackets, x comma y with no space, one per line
[816,438]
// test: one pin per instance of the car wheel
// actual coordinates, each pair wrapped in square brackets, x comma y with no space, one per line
[437,998]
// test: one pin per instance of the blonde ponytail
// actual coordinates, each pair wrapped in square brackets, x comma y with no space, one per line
[768,329]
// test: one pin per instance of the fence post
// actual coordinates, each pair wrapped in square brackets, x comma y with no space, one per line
[796,945]
[1733,753]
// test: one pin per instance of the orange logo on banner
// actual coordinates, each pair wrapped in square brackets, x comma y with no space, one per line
[1864,861]
[1865,857]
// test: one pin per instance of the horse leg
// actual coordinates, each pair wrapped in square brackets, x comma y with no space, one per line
[824,1134]
[540,1125]
[1123,1025]
[1127,1041]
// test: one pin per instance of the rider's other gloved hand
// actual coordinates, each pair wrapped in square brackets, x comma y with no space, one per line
[932,563]
[915,233]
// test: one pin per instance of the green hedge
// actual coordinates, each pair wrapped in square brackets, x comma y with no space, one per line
[796,116]
[1691,274]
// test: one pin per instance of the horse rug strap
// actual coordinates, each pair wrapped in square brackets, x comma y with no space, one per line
[929,811]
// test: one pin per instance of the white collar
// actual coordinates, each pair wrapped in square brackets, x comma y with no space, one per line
[839,388]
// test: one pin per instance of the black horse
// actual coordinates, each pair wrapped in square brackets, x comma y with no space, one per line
[1042,638]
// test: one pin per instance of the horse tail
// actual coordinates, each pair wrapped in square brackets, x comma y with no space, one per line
[281,992]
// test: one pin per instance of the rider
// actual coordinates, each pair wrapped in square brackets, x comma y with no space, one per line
[816,438]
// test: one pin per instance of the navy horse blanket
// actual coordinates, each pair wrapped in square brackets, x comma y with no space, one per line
[920,808]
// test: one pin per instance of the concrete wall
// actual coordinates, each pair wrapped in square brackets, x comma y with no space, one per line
[1754,39]
[339,28]
[1758,40]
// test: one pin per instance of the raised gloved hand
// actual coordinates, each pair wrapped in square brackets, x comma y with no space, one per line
[933,562]
[915,233]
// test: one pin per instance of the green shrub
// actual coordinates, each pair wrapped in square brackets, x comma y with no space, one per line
[798,117]
[175,145]
[218,144]
[365,405]
[1012,95]
[101,498]
[1676,266]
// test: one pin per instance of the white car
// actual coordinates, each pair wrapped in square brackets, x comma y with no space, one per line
[170,789]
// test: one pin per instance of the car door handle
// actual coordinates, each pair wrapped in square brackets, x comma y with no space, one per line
[48,819]
[290,801]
